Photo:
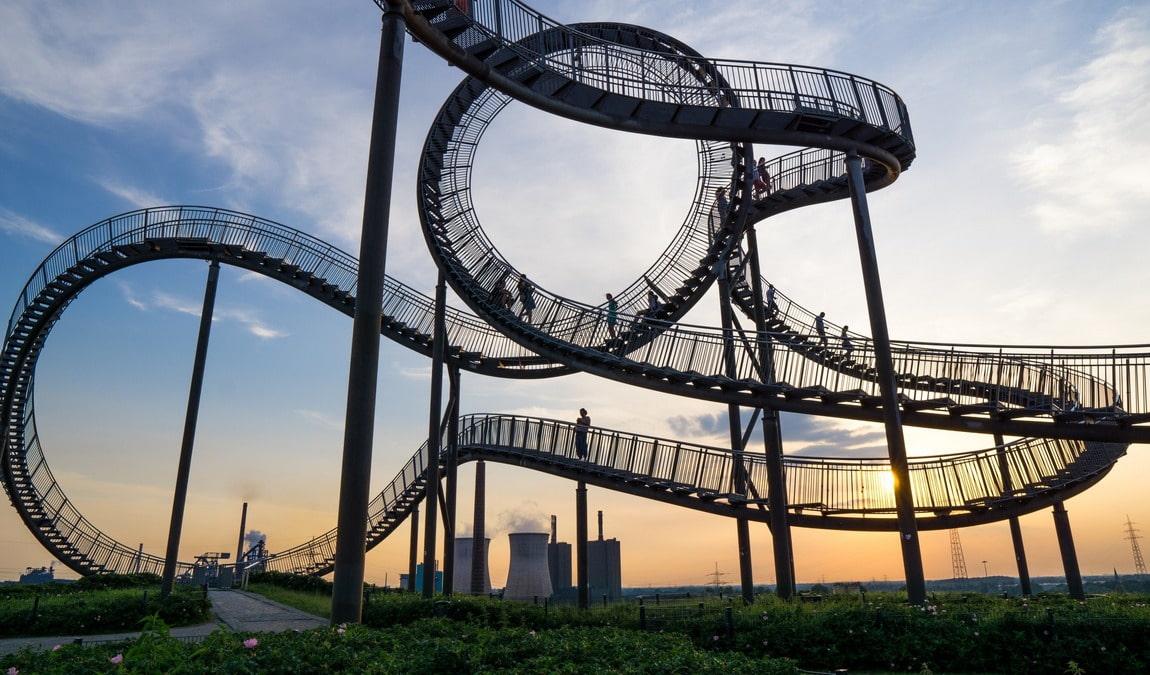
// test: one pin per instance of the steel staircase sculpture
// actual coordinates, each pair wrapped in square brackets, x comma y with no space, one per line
[952,490]
[1081,406]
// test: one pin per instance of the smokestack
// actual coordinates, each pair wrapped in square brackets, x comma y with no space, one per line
[600,526]
[243,527]
[554,531]
[528,576]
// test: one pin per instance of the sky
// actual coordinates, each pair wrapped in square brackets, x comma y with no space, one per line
[1021,222]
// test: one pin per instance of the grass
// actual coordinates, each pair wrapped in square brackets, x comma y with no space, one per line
[312,602]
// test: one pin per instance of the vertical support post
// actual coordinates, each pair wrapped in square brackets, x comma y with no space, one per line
[413,555]
[240,543]
[452,481]
[359,421]
[183,471]
[772,439]
[1069,555]
[735,423]
[888,388]
[478,531]
[434,437]
[1015,526]
[584,591]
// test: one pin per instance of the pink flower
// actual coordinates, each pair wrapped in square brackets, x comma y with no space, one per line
[56,648]
[341,630]
[116,659]
[532,633]
[251,642]
[13,671]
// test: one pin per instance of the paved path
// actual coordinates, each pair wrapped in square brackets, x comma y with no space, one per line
[232,610]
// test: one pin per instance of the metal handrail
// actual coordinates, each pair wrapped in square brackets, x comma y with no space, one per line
[232,228]
[757,85]
[836,488]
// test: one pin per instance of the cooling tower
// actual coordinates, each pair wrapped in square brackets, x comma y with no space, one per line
[461,583]
[528,577]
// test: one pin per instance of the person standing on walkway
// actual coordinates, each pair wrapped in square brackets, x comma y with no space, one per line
[612,314]
[771,306]
[821,328]
[582,424]
[526,298]
[848,347]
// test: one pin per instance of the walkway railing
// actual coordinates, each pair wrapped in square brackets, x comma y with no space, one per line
[763,86]
[694,475]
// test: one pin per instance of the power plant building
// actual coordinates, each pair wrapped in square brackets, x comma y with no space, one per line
[464,550]
[558,561]
[528,577]
[604,567]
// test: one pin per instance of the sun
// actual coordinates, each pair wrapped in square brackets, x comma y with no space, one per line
[886,481]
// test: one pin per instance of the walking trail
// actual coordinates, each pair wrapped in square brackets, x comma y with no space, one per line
[232,610]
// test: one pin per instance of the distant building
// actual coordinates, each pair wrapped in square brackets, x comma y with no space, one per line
[604,567]
[559,565]
[604,570]
[527,576]
[39,575]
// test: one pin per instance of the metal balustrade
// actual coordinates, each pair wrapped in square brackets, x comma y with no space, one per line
[822,492]
[761,86]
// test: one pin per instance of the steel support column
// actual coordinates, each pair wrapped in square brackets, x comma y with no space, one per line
[1069,555]
[184,469]
[735,423]
[359,421]
[584,592]
[434,436]
[413,555]
[1015,527]
[772,438]
[452,479]
[478,531]
[888,387]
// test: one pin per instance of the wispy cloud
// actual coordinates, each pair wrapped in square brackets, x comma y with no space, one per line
[322,418]
[818,436]
[165,301]
[1077,154]
[14,224]
[135,196]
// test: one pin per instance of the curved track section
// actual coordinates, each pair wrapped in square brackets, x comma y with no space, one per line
[956,490]
[287,255]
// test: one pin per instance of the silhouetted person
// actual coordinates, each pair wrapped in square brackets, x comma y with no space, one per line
[526,298]
[821,328]
[721,201]
[582,424]
[848,347]
[612,314]
[771,306]
[762,179]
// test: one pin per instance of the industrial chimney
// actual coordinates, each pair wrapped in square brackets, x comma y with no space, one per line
[464,549]
[528,577]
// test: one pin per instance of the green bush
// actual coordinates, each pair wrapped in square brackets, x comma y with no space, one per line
[426,646]
[103,611]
